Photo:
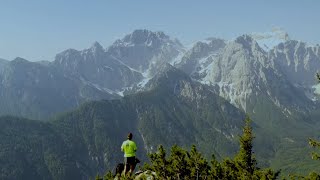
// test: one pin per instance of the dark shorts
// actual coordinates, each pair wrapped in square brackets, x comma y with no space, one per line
[130,160]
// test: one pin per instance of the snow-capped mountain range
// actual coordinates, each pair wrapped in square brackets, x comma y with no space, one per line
[240,70]
[165,93]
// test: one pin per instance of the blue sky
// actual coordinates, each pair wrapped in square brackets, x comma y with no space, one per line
[39,29]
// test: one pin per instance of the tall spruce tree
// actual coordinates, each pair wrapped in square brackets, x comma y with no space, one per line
[245,160]
[244,166]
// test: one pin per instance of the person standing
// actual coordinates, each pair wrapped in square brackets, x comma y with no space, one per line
[129,148]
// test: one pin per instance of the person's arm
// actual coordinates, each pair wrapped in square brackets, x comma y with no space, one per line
[135,147]
[122,147]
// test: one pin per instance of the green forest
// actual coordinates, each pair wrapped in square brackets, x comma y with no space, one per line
[196,141]
[183,164]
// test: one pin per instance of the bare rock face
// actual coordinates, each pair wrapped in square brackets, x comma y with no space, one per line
[239,70]
[200,56]
[3,62]
[38,91]
[299,62]
[143,49]
[251,79]
[96,66]
[79,76]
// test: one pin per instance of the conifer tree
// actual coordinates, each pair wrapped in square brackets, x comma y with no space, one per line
[178,163]
[245,160]
[216,170]
[159,164]
[245,163]
[197,164]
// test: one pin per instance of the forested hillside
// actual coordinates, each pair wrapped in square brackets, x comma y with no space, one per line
[174,111]
[87,140]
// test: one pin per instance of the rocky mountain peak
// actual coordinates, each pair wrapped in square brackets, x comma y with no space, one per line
[201,54]
[142,36]
[216,42]
[207,45]
[246,41]
[199,47]
[294,44]
[165,68]
[143,50]
[19,60]
[68,52]
[3,62]
[167,76]
[245,45]
[67,56]
[72,57]
[268,40]
[96,47]
[299,62]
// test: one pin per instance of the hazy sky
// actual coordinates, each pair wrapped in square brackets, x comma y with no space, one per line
[39,29]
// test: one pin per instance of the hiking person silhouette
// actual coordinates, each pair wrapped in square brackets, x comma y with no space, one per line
[129,148]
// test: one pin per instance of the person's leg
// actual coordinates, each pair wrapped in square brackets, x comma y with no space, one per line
[131,162]
[126,165]
[131,168]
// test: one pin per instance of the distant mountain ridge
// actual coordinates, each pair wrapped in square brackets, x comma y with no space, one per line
[236,70]
[94,73]
[163,92]
[34,90]
[88,139]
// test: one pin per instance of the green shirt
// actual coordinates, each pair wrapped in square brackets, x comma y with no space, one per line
[129,148]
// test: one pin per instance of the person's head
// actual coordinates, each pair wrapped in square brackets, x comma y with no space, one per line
[130,136]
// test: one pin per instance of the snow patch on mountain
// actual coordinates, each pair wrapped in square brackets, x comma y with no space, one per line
[97,86]
[316,89]
[145,80]
[268,40]
[178,58]
[205,64]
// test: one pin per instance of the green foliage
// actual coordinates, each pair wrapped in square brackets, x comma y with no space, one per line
[182,164]
[108,175]
[216,169]
[315,156]
[98,178]
[85,141]
[200,164]
[244,165]
[159,163]
[245,160]
[33,150]
[315,144]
